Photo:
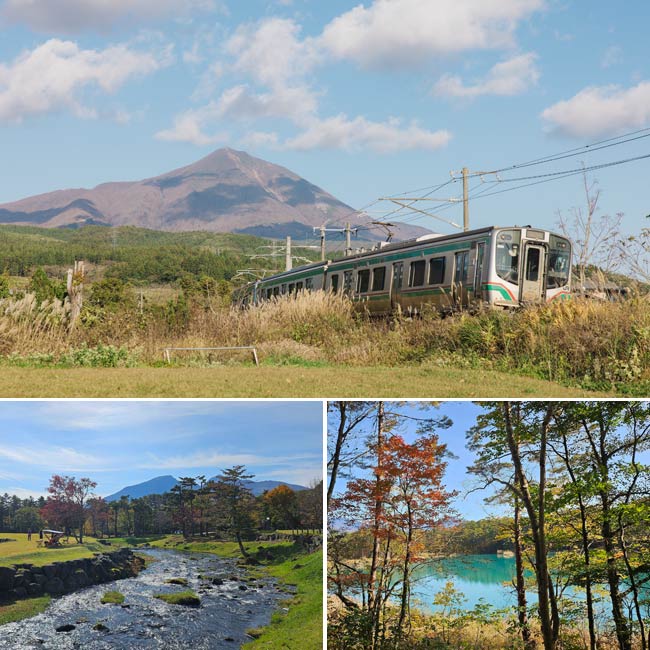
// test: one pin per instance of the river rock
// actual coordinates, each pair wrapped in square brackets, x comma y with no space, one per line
[34,589]
[54,586]
[50,570]
[66,628]
[6,578]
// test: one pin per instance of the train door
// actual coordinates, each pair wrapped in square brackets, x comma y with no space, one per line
[478,272]
[396,286]
[532,285]
[347,283]
[459,292]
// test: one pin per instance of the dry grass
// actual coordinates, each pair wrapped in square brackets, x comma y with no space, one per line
[594,345]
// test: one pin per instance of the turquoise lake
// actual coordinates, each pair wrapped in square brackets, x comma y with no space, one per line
[486,577]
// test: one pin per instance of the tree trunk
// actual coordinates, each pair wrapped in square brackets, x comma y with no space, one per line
[373,598]
[536,516]
[520,583]
[241,545]
[336,457]
[406,575]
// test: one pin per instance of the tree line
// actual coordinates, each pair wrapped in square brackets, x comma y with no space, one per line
[222,507]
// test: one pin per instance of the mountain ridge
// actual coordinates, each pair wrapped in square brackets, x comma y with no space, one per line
[164,483]
[225,191]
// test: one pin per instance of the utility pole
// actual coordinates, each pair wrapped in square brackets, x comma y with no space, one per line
[288,265]
[465,173]
[348,243]
[322,243]
[348,230]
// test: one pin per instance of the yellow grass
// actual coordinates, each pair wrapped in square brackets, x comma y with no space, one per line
[235,381]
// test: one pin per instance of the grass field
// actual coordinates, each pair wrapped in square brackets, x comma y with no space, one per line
[21,551]
[288,381]
[302,625]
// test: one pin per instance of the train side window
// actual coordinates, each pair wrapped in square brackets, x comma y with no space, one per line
[298,286]
[437,270]
[363,281]
[276,291]
[283,289]
[309,284]
[416,273]
[334,283]
[292,288]
[378,278]
[269,293]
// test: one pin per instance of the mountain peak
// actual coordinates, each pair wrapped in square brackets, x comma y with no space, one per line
[226,191]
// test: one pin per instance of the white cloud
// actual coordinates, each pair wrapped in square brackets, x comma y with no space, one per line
[219,460]
[390,33]
[70,16]
[52,76]
[190,126]
[63,458]
[272,53]
[510,77]
[240,103]
[278,61]
[340,132]
[601,110]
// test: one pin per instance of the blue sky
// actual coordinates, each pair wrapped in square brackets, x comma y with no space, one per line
[120,443]
[470,501]
[365,100]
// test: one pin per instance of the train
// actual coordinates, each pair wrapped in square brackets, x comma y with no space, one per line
[499,267]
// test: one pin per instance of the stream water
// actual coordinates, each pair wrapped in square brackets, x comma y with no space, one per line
[143,622]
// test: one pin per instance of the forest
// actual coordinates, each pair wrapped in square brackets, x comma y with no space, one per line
[220,508]
[129,253]
[572,481]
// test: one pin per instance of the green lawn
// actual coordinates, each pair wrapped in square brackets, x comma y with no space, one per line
[23,609]
[293,381]
[300,627]
[21,551]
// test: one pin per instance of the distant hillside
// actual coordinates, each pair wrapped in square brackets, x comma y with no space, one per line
[158,485]
[227,191]
[162,484]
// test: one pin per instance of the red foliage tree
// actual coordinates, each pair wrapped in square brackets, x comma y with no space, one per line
[66,505]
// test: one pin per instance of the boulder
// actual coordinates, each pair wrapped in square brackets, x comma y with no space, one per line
[54,586]
[6,578]
[34,589]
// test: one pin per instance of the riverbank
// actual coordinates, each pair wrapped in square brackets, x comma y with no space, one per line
[26,588]
[299,621]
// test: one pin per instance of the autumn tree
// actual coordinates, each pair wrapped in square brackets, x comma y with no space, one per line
[397,494]
[282,506]
[65,506]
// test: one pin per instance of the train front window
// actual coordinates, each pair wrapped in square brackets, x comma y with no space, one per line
[559,262]
[507,255]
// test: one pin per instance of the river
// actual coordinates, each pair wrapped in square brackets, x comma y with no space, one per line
[143,622]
